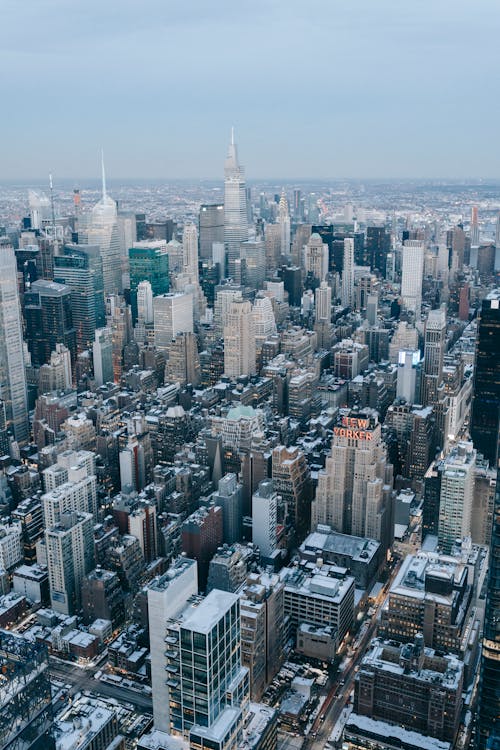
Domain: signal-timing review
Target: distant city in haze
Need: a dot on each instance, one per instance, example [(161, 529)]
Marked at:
[(249, 425)]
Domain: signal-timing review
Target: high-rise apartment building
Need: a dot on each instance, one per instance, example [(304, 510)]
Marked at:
[(354, 489), (190, 251), (456, 495), (235, 209), (348, 273), (168, 595), (412, 276), (70, 556), (208, 686), (13, 391), (485, 417), (434, 349), (284, 223), (323, 303), (239, 340), (148, 261), (210, 228), (173, 313), (265, 518)]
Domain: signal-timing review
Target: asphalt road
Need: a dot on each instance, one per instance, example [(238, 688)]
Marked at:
[(80, 680)]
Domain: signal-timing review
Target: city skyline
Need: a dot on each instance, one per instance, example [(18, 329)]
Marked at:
[(307, 104)]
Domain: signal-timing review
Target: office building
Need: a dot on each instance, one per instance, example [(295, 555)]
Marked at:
[(173, 313), (323, 303), (29, 515), (432, 594), (292, 481), (253, 263), (239, 340), (229, 496), (80, 268), (348, 273), (362, 557), (13, 391), (11, 546), (378, 246), (49, 320), (320, 596), (102, 351), (70, 556), (315, 258), (411, 686), (210, 228), (487, 725), (183, 364), (56, 375), (354, 493), (265, 519), (456, 495), (235, 209), (25, 694), (434, 349), (102, 230), (408, 383), (202, 534), (229, 567), (167, 595), (412, 276), (148, 261), (485, 418), (208, 687), (264, 321)]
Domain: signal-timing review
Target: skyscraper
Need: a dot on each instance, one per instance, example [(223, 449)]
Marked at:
[(265, 518), (354, 488), (235, 208), (173, 313), (456, 495), (411, 281), (148, 261), (49, 320), (323, 303), (103, 231), (102, 350), (190, 250), (486, 399), (284, 222), (434, 348), (348, 273), (239, 340), (316, 257), (12, 375), (488, 722), (80, 268), (210, 228)]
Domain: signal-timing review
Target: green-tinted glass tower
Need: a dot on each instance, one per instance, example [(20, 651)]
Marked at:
[(148, 261)]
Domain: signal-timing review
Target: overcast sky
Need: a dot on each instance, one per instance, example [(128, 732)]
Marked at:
[(319, 88)]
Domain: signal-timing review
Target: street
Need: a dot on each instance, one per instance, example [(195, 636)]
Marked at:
[(81, 680)]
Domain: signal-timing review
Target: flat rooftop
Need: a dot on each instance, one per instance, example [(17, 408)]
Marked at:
[(203, 617)]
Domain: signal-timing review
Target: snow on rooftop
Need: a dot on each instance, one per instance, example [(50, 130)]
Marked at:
[(204, 616)]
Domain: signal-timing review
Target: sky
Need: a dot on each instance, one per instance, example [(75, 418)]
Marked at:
[(314, 89)]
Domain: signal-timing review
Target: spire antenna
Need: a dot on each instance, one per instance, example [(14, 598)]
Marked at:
[(232, 135), (103, 175)]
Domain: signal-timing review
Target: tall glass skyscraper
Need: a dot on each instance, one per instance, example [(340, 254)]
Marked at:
[(12, 374), (235, 208), (488, 721), (486, 400), (80, 268), (148, 261)]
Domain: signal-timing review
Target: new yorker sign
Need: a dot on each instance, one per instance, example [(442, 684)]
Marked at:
[(355, 428)]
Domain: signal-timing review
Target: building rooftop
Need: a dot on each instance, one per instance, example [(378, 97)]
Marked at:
[(393, 734), (161, 583), (326, 540), (202, 617)]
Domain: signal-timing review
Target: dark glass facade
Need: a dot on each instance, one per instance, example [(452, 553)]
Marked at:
[(486, 401), (147, 263)]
